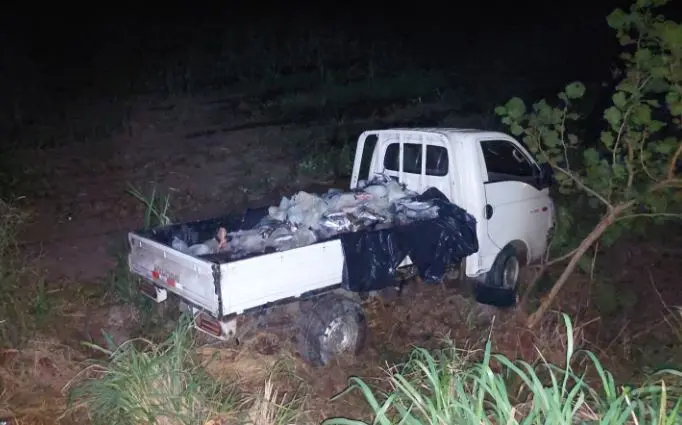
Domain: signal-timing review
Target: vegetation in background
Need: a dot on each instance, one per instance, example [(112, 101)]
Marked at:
[(326, 160), (156, 207), (12, 320), (319, 75), (25, 302), (120, 282), (447, 387), (631, 174)]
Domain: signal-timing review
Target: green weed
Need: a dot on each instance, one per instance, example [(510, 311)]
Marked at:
[(120, 283), (156, 207), (15, 298), (168, 383), (143, 382), (446, 388)]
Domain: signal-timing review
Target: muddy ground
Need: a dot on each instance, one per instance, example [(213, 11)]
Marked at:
[(80, 211)]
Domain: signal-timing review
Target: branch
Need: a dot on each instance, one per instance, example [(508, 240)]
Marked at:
[(641, 159), (619, 135), (664, 184), (561, 137), (583, 186), (631, 169), (649, 215), (560, 259), (591, 238), (673, 162)]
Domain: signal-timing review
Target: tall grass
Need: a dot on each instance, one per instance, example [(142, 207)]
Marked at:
[(169, 383), (156, 207), (143, 382), (16, 299), (11, 218), (120, 283), (442, 388)]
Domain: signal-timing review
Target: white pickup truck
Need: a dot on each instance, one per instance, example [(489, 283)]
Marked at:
[(490, 175)]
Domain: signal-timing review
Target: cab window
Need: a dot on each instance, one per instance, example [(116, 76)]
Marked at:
[(436, 159)]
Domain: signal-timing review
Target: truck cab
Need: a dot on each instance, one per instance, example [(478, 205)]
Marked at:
[(489, 174)]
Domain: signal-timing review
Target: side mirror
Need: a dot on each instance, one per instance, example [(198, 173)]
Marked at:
[(546, 174)]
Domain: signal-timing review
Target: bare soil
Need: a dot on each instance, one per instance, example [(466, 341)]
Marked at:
[(78, 196)]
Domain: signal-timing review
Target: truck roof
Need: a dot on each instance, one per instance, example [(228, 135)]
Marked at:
[(449, 132)]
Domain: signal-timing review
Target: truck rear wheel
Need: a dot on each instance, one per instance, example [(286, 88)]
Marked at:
[(332, 326), (501, 283)]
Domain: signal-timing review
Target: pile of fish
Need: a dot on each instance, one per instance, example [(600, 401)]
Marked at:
[(307, 218)]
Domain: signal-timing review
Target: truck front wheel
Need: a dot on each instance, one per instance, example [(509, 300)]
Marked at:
[(331, 326), (500, 285)]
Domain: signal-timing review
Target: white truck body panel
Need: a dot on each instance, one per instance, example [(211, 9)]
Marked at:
[(264, 279), (244, 284), (192, 278)]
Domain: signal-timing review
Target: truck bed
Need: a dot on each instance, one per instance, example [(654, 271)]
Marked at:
[(363, 261), (222, 286)]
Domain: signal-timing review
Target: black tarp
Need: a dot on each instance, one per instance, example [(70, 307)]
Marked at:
[(372, 257)]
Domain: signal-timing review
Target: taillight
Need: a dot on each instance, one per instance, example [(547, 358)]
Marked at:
[(209, 325)]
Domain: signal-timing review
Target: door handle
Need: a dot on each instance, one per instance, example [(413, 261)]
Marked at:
[(488, 211)]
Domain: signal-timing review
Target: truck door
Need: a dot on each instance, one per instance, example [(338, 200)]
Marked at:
[(518, 205)]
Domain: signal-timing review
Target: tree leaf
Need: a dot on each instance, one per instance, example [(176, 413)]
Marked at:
[(613, 116), (619, 100), (642, 114), (591, 157), (619, 171), (671, 34), (575, 90), (643, 55), (666, 146), (515, 107), (607, 139), (617, 19), (551, 139)]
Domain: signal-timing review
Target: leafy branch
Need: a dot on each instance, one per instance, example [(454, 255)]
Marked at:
[(631, 170)]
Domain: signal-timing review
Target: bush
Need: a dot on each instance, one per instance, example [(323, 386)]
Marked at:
[(630, 172)]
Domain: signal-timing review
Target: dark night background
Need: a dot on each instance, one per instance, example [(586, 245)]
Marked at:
[(64, 53), (202, 98), (237, 103)]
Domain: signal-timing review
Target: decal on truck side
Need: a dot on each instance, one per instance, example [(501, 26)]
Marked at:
[(538, 210), (164, 276)]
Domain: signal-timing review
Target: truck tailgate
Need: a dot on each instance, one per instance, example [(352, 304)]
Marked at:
[(193, 279)]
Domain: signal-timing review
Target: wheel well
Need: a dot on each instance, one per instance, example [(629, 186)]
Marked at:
[(521, 250)]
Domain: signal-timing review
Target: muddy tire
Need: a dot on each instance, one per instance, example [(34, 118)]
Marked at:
[(501, 284), (330, 326)]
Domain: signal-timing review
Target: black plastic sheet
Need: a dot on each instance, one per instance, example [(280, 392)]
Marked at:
[(372, 257), (198, 231)]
